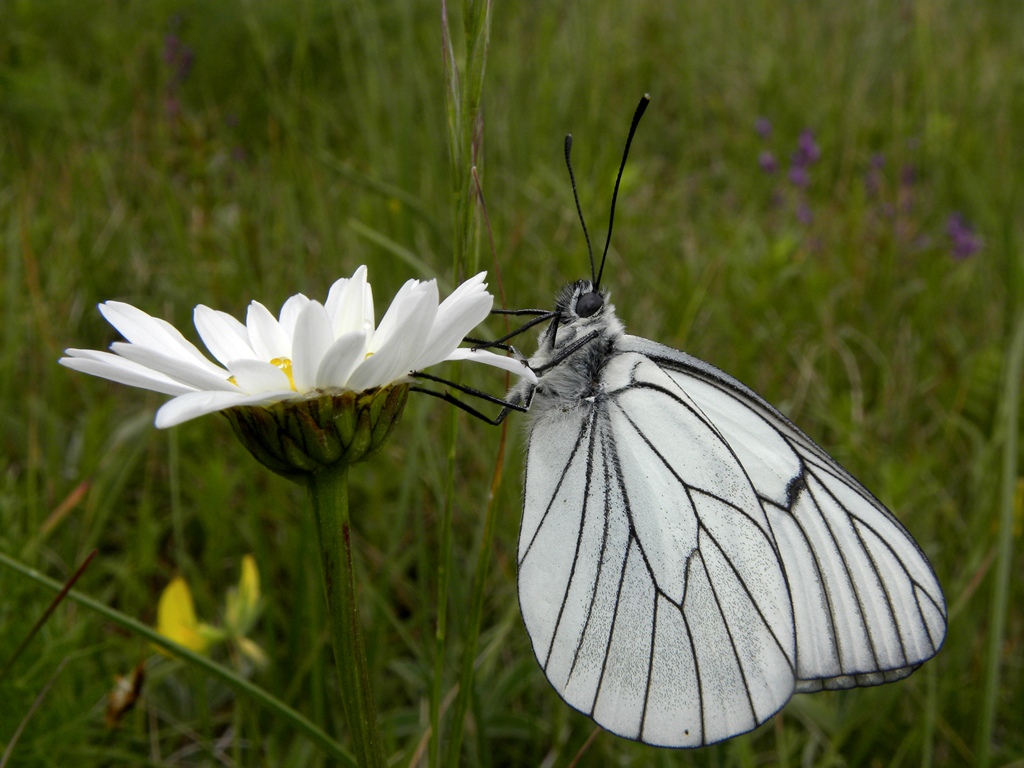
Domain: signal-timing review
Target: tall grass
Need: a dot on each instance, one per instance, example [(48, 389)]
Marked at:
[(174, 153)]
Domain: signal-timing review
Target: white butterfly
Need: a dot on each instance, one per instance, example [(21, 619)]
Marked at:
[(688, 558)]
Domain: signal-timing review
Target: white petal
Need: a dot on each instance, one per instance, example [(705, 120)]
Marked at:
[(350, 304), (369, 322), (336, 300), (225, 337), (116, 368), (340, 360), (185, 371), (511, 364), (268, 339), (290, 312), (404, 330), (187, 407), (255, 376), (395, 316), (473, 285), (313, 337), (466, 308), (147, 331)]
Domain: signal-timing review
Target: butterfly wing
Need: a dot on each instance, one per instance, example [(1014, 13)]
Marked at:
[(867, 604), (649, 580), (688, 558)]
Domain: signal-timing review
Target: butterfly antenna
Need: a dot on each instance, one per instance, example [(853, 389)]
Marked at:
[(576, 197), (640, 109)]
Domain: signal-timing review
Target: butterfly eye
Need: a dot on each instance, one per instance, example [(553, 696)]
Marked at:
[(588, 304)]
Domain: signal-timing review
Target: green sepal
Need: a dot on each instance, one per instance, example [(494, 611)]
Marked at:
[(297, 438)]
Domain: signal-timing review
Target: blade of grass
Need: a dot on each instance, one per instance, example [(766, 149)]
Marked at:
[(405, 255), (466, 686), (36, 703), (476, 611), (1004, 543), (382, 188), (240, 685), (464, 135), (47, 613), (443, 578)]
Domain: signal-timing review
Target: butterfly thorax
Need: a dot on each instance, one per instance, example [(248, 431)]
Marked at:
[(581, 313)]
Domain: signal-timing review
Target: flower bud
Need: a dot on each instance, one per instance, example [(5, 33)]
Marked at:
[(297, 438)]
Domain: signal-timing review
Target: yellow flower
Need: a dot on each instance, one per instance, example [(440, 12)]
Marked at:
[(176, 618), (243, 600), (242, 610)]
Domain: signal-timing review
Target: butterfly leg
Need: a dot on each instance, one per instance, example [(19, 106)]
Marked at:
[(499, 342), (507, 405), (571, 349)]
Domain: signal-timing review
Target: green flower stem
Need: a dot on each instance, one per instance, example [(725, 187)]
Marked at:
[(240, 685), (328, 492), (443, 581)]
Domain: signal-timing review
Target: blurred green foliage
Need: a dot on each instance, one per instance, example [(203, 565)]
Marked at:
[(171, 153)]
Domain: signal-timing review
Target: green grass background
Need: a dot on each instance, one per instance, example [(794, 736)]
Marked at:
[(307, 138)]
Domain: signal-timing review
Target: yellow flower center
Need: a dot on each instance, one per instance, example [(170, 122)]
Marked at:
[(285, 364)]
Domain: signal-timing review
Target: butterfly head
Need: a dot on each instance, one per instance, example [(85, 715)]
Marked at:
[(581, 309), (579, 301)]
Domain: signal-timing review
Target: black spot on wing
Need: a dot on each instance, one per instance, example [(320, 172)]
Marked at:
[(796, 485)]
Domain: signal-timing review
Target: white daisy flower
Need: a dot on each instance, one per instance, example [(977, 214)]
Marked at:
[(308, 350)]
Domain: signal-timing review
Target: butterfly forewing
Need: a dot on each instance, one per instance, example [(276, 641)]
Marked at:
[(867, 605)]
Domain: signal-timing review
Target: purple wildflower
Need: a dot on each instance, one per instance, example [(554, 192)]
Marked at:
[(807, 150), (763, 126), (807, 154), (798, 176), (179, 57), (963, 240), (767, 162), (804, 214)]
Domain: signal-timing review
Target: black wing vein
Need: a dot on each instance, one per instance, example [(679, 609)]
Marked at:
[(579, 542)]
